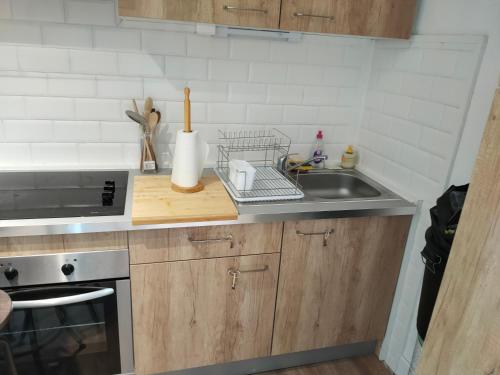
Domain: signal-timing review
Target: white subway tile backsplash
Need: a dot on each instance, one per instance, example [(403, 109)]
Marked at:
[(15, 155), (250, 49), (206, 46), (226, 113), (162, 43), (76, 131), (437, 142), (100, 154), (119, 39), (335, 115), (98, 109), (94, 62), (316, 95), (164, 89), (416, 85), (120, 132), (306, 115), (449, 91), (49, 108), (285, 94), (186, 68), (85, 12), (119, 88), (397, 105), (28, 131), (23, 86), (41, 10), (438, 62), (426, 112), (54, 154), (67, 35), (341, 76), (305, 74), (82, 88), (291, 53), (264, 114), (407, 59), (12, 107), (247, 92), (141, 65), (9, 58), (207, 91), (325, 54), (266, 72), (19, 32), (225, 70), (415, 160), (43, 59), (405, 131)]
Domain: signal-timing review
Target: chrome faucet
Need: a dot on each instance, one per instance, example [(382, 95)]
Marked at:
[(282, 164)]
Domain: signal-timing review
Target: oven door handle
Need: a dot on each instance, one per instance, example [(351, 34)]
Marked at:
[(60, 301)]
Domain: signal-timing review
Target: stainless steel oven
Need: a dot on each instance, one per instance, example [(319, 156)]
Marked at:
[(71, 314)]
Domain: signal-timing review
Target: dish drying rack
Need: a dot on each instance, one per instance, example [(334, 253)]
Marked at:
[(262, 149)]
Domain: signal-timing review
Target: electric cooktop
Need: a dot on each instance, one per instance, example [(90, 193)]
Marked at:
[(37, 195)]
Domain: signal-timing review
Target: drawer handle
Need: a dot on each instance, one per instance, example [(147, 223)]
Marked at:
[(228, 238), (229, 8), (325, 235), (235, 273), (329, 18)]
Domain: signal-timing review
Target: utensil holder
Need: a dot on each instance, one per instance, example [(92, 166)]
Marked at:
[(149, 163)]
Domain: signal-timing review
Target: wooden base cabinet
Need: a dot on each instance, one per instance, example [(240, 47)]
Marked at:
[(189, 313), (337, 280)]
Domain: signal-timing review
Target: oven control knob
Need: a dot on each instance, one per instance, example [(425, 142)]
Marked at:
[(10, 273), (67, 269)]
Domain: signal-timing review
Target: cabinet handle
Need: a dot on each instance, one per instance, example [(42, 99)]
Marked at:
[(329, 18), (228, 238), (325, 235), (235, 273), (229, 8)]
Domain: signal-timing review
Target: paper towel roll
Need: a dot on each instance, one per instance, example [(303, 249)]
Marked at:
[(189, 157)]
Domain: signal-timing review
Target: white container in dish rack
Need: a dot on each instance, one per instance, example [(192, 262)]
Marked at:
[(241, 174)]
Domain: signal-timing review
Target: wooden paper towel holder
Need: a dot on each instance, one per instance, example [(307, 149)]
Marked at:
[(187, 129)]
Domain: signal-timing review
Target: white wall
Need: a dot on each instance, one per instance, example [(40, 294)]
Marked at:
[(68, 73)]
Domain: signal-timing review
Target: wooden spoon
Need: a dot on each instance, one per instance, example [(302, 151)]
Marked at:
[(153, 121), (148, 107)]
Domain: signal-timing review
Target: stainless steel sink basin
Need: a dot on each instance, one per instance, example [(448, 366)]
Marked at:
[(336, 186)]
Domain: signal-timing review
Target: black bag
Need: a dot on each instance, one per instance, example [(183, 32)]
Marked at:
[(445, 216)]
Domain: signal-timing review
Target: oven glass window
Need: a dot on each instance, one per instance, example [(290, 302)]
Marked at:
[(78, 339)]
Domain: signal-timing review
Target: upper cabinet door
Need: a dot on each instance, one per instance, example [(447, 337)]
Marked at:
[(378, 18), (309, 15), (179, 10), (253, 13)]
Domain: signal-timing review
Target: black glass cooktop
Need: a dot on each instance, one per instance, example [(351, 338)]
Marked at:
[(36, 195)]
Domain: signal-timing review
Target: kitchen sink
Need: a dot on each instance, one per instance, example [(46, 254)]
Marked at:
[(336, 185)]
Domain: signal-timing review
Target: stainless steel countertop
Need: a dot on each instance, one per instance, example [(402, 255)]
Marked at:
[(387, 204)]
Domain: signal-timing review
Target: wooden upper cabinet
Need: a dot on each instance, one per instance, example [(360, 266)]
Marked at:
[(378, 18), (187, 314), (337, 279), (253, 13), (177, 10)]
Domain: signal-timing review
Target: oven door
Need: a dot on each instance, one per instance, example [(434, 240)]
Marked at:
[(80, 329)]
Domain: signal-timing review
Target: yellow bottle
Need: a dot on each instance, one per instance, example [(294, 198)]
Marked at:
[(349, 158)]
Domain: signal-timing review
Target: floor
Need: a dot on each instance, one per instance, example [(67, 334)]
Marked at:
[(355, 366)]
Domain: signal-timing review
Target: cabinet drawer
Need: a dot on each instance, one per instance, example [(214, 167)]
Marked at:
[(204, 242), (186, 314), (52, 244), (255, 13)]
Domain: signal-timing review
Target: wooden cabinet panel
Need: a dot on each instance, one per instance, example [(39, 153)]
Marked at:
[(378, 18), (309, 15), (342, 292), (179, 10), (204, 242), (186, 314), (39, 245), (254, 13)]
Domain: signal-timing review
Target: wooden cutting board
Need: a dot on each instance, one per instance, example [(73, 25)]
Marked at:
[(154, 202)]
